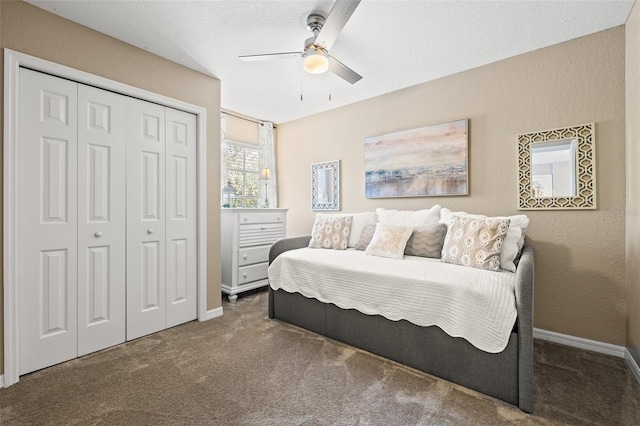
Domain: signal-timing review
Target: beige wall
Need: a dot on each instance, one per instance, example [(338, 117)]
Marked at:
[(632, 87), (580, 288), (30, 30)]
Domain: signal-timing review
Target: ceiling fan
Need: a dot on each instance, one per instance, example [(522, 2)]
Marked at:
[(316, 58)]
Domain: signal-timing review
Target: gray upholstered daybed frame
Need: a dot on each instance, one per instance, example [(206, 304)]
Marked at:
[(507, 375)]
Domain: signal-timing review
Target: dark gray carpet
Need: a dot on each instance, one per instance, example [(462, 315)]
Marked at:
[(245, 369)]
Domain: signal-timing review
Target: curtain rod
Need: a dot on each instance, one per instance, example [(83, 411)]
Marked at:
[(244, 118)]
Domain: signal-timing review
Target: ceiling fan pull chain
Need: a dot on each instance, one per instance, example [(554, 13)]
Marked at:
[(301, 91)]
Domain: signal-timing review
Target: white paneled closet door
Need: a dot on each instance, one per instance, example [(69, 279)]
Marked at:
[(101, 219), (181, 245), (146, 289), (107, 229), (48, 227)]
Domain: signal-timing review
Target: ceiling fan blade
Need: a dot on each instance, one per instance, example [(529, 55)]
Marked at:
[(343, 71), (267, 56), (335, 22)]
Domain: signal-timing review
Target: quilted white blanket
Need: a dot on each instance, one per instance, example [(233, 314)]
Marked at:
[(474, 304)]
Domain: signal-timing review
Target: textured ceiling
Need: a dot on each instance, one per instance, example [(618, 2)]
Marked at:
[(392, 44)]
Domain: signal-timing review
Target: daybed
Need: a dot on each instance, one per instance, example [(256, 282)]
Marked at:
[(507, 375)]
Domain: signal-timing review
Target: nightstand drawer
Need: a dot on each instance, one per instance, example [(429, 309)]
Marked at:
[(246, 274), (261, 218), (249, 256), (260, 234)]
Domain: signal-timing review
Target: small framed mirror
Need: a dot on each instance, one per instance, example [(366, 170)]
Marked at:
[(557, 169), (325, 186)]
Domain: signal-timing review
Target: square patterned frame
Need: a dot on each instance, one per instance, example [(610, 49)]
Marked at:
[(585, 164), (333, 200)]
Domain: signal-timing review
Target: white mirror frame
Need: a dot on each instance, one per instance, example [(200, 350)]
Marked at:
[(585, 177), (333, 202)]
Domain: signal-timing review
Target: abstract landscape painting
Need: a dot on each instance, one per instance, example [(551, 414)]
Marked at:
[(430, 161)]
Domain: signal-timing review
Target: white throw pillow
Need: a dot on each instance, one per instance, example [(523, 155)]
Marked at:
[(513, 241), (409, 218), (389, 241), (360, 220)]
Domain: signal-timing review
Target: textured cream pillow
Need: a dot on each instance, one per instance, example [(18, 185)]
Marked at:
[(475, 242), (331, 231), (360, 220), (409, 218), (513, 242), (389, 241)]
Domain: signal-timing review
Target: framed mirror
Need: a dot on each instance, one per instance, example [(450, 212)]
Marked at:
[(557, 169), (325, 186)]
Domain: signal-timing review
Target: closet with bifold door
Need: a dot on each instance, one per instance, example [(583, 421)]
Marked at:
[(107, 219)]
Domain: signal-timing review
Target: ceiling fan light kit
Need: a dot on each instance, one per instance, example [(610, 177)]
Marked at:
[(316, 60)]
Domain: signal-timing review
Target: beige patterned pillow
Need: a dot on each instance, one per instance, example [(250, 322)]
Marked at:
[(513, 241), (427, 241), (389, 241), (366, 236), (475, 242), (331, 231)]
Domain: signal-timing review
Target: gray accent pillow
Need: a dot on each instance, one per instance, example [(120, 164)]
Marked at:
[(475, 242), (331, 232), (426, 241), (366, 236)]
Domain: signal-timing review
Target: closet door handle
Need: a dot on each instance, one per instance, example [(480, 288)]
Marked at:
[(98, 234), (150, 231)]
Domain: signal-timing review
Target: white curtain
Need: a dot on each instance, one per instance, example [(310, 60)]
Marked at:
[(266, 143), (223, 153)]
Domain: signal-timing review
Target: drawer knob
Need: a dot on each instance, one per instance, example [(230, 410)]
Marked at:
[(244, 257), (262, 228), (98, 234), (246, 219), (150, 231), (244, 275), (278, 218)]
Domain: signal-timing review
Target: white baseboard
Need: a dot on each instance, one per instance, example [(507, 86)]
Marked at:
[(633, 365), (214, 313), (590, 345), (1, 380), (580, 342)]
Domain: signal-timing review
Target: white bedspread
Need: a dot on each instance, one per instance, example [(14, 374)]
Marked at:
[(465, 302)]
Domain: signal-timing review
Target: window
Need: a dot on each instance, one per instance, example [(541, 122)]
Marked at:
[(242, 163)]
